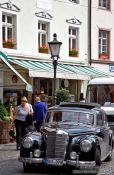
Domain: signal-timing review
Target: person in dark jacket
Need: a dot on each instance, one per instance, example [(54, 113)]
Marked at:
[(39, 112)]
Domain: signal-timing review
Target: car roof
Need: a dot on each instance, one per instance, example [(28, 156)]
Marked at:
[(102, 81), (76, 106)]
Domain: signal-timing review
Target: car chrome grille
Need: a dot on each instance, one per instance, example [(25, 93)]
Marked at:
[(56, 145)]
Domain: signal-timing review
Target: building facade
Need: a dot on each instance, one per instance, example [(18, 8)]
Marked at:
[(102, 29), (26, 27)]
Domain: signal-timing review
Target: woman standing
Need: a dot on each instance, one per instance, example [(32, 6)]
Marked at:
[(20, 122)]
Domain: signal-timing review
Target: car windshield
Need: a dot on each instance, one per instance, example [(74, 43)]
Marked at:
[(70, 116)]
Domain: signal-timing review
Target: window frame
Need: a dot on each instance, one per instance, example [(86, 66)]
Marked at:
[(108, 5), (73, 1), (99, 119), (50, 115), (13, 26), (105, 54), (72, 37), (42, 32)]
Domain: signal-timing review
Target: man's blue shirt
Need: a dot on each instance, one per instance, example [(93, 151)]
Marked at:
[(39, 112)]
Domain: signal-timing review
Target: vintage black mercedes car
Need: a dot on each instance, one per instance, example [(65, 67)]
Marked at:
[(74, 135)]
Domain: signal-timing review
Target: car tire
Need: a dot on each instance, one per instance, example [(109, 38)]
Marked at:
[(27, 167), (69, 171), (98, 157)]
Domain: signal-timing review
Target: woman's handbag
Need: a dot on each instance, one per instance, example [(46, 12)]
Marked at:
[(29, 119)]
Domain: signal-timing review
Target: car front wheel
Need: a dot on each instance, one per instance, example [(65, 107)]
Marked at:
[(98, 157), (27, 167)]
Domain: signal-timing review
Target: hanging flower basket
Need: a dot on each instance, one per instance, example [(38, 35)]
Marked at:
[(103, 56), (73, 53), (8, 44), (43, 49)]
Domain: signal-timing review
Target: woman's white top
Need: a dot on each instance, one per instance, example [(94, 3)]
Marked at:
[(21, 113)]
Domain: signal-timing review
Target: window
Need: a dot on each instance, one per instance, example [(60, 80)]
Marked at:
[(73, 42), (104, 40), (105, 4), (99, 118), (75, 1), (9, 30), (70, 116), (43, 30)]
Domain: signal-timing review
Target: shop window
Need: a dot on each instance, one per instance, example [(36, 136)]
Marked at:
[(43, 30), (9, 30), (104, 46), (73, 41), (104, 4), (75, 1)]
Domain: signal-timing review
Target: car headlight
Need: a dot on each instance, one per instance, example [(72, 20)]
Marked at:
[(85, 145), (27, 142), (73, 155), (37, 153)]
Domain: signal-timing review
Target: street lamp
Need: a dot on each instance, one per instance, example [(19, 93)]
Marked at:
[(54, 47)]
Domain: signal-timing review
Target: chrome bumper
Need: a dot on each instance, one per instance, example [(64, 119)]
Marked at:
[(76, 163)]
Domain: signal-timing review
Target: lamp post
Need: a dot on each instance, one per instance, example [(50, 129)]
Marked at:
[(54, 47)]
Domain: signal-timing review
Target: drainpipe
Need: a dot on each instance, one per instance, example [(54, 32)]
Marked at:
[(89, 31)]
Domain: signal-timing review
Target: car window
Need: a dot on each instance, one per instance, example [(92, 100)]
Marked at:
[(48, 116), (105, 122), (86, 118), (99, 119), (110, 118), (57, 116), (66, 116)]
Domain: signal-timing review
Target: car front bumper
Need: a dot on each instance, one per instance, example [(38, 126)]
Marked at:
[(76, 163)]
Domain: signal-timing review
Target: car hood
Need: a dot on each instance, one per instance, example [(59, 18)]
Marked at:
[(70, 127)]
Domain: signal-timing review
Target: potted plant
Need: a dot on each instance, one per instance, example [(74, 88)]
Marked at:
[(43, 49), (5, 124), (103, 55), (8, 44), (73, 53), (62, 95)]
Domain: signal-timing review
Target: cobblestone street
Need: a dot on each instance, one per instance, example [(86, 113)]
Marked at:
[(9, 164)]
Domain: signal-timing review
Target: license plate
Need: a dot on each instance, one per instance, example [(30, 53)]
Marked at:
[(55, 162)]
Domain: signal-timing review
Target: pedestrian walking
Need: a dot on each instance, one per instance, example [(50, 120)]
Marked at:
[(22, 111), (39, 112)]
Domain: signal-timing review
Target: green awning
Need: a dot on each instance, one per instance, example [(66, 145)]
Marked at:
[(66, 71), (4, 58)]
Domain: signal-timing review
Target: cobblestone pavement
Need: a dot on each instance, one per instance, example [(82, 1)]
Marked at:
[(9, 164)]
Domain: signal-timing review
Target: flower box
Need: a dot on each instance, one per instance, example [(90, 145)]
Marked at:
[(103, 56), (73, 53), (8, 44), (43, 49)]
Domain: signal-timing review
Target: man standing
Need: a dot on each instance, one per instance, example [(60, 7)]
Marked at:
[(39, 112)]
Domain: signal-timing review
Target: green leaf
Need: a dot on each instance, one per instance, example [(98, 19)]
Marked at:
[(62, 95)]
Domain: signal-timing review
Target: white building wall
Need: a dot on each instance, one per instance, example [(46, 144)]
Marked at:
[(27, 26), (63, 11), (102, 19)]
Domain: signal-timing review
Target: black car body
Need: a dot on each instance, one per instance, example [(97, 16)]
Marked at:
[(75, 135)]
